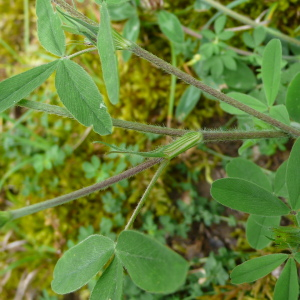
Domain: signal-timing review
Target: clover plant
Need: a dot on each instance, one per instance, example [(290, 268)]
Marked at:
[(152, 266)]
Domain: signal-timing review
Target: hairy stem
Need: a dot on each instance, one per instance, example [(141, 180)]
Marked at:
[(61, 111), (212, 136), (145, 195), (216, 135), (31, 209), (200, 85), (189, 79), (172, 88), (75, 13), (81, 52)]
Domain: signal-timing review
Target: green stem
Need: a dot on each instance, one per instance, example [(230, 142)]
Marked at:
[(75, 13), (213, 136), (145, 195), (232, 4), (26, 25), (81, 52), (189, 79), (208, 136), (60, 111), (219, 95), (248, 21), (172, 87), (28, 210)]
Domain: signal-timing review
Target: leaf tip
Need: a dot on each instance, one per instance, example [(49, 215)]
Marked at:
[(5, 217)]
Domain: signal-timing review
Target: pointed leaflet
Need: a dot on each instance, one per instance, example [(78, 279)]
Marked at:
[(170, 26), (256, 268), (241, 79), (293, 176), (248, 197), (280, 113), (80, 263), (245, 99), (245, 169), (297, 257), (271, 69), (108, 57), (220, 24), (81, 97), (131, 32), (293, 98), (258, 230), (187, 102), (19, 86), (50, 32), (280, 188), (287, 286), (110, 284), (152, 266)]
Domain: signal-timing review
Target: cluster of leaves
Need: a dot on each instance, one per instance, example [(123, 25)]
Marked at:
[(149, 264), (253, 192)]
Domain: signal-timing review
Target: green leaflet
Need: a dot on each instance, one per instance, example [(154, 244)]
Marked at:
[(258, 230), (287, 286), (256, 268), (280, 113), (297, 257), (121, 12), (50, 32), (151, 265), (170, 26), (131, 32), (79, 26), (248, 197), (293, 176), (271, 69), (107, 55), (19, 86), (293, 98), (245, 169), (220, 24), (110, 284), (81, 97), (187, 102), (280, 188), (241, 79), (259, 35), (80, 263), (245, 99)]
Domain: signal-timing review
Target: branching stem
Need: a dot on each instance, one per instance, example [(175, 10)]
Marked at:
[(145, 195), (208, 135), (202, 86), (191, 80), (81, 52), (28, 210)]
